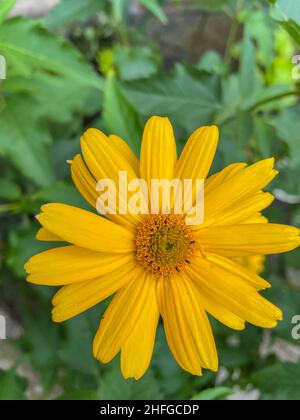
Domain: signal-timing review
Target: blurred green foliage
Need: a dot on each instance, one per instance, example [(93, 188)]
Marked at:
[(87, 63)]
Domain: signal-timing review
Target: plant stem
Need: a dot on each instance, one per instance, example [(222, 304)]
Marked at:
[(8, 207), (273, 98), (233, 31), (258, 105)]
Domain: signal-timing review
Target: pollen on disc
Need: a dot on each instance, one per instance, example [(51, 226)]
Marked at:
[(164, 244)]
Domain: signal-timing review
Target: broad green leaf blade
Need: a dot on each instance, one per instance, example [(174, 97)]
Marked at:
[(264, 136), (119, 116), (218, 393), (21, 245), (62, 192), (61, 93), (287, 126), (154, 7), (248, 76), (280, 381), (67, 12), (261, 27), (76, 354), (27, 47), (213, 63), (114, 387), (24, 140), (135, 62), (189, 97)]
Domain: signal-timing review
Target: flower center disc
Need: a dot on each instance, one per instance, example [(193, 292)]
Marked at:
[(164, 244)]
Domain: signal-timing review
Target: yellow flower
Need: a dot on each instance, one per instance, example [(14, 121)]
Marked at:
[(157, 264), (255, 263)]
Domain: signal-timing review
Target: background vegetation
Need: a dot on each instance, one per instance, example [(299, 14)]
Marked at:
[(110, 64)]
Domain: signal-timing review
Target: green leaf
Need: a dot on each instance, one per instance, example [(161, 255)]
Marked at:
[(76, 351), (191, 98), (55, 92), (24, 140), (9, 190), (61, 192), (218, 393), (288, 299), (5, 7), (22, 244), (274, 97), (114, 387), (287, 126), (11, 386), (213, 63), (290, 8), (27, 46), (279, 381), (50, 79), (236, 135), (293, 29), (154, 7), (43, 352), (135, 62), (264, 136), (67, 12), (230, 98), (174, 381), (287, 13), (119, 116), (248, 77), (261, 28)]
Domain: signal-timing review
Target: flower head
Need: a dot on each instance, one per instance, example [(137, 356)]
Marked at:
[(157, 264)]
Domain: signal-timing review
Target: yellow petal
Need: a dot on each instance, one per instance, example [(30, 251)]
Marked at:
[(187, 328), (44, 235), (232, 267), (233, 191), (125, 151), (158, 150), (228, 172), (198, 154), (230, 290), (76, 298), (239, 212), (256, 218), (255, 263), (84, 181), (219, 311), (137, 352), (85, 229), (121, 316), (70, 264), (195, 162), (105, 161), (249, 239)]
